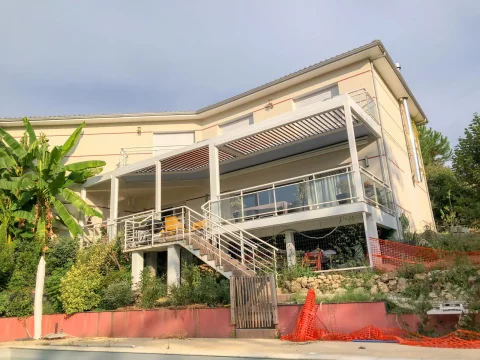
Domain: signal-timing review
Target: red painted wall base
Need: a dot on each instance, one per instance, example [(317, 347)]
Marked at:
[(211, 322)]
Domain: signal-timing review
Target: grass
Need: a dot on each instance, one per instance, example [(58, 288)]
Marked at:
[(349, 297)]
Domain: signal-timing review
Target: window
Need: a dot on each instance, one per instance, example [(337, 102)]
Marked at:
[(168, 141), (236, 124), (317, 96)]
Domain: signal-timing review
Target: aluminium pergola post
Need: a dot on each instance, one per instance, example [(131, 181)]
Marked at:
[(114, 188), (352, 145)]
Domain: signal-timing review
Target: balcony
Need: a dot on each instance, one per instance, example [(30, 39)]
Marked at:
[(327, 189)]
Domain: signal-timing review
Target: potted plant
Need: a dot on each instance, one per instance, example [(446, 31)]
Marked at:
[(300, 197), (236, 206), (343, 191)]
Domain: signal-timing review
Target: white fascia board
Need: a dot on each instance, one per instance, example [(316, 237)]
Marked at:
[(152, 161), (369, 122), (307, 215)]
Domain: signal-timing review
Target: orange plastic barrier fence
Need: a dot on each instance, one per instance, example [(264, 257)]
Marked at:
[(388, 255), (305, 331)]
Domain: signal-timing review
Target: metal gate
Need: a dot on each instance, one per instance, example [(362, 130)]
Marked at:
[(253, 301)]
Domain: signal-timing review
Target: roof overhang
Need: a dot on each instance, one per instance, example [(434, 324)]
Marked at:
[(300, 131), (374, 51)]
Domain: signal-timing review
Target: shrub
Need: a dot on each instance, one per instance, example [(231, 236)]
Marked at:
[(27, 254), (52, 289), (61, 253), (19, 303), (200, 287), (3, 302), (80, 288), (117, 295), (151, 289)]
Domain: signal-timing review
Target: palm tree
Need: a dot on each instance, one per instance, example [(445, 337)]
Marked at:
[(39, 184)]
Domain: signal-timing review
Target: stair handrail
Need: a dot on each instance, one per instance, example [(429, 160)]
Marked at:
[(204, 208), (247, 241)]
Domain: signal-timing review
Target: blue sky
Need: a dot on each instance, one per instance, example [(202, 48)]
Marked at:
[(113, 56)]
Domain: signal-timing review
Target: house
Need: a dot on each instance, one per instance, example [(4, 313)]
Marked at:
[(316, 163)]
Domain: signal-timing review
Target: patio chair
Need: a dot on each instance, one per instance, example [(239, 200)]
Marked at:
[(199, 225), (172, 225)]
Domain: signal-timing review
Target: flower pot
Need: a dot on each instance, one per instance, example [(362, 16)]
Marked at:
[(341, 198)]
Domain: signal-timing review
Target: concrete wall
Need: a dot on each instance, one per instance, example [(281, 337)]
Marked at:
[(213, 322)]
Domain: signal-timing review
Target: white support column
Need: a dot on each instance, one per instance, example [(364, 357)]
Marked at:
[(371, 231), (151, 262), (173, 265), (114, 186), (137, 268), (214, 173), (290, 246), (158, 186), (352, 145)]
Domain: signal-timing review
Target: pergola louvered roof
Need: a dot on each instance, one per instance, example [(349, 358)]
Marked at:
[(299, 130), (296, 131)]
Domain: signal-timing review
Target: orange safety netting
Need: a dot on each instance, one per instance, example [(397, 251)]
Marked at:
[(305, 331), (388, 255)]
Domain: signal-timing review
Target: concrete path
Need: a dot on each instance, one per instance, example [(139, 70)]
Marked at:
[(252, 348)]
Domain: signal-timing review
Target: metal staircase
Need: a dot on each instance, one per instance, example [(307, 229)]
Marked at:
[(219, 243)]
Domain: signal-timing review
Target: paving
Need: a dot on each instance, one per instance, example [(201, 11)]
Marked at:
[(252, 348)]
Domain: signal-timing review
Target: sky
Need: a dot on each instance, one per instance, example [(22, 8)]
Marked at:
[(62, 57)]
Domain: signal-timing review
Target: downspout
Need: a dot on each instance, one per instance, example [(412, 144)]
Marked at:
[(412, 140), (389, 171)]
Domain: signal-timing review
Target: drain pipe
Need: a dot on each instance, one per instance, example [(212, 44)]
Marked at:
[(412, 140)]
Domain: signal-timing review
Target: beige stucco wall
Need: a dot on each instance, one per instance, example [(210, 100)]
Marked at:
[(412, 198)]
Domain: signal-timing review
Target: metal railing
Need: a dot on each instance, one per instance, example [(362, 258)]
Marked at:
[(365, 101), (126, 152), (223, 241), (377, 192), (308, 192), (108, 228)]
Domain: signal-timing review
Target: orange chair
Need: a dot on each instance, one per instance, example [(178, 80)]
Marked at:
[(313, 259), (172, 224), (199, 225)]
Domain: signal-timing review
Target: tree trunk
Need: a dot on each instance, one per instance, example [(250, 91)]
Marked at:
[(38, 305)]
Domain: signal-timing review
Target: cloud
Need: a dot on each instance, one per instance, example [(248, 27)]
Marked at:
[(118, 56)]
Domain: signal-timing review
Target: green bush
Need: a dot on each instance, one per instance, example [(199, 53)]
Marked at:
[(117, 295), (52, 289), (80, 288), (3, 303), (27, 255), (200, 287), (151, 289), (61, 253), (19, 303)]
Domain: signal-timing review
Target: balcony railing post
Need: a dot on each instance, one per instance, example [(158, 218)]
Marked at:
[(153, 224), (242, 214), (274, 200), (242, 248), (375, 193)]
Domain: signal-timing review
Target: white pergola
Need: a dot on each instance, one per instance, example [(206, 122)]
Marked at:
[(296, 131)]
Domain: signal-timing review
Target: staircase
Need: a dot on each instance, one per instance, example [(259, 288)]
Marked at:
[(219, 243)]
